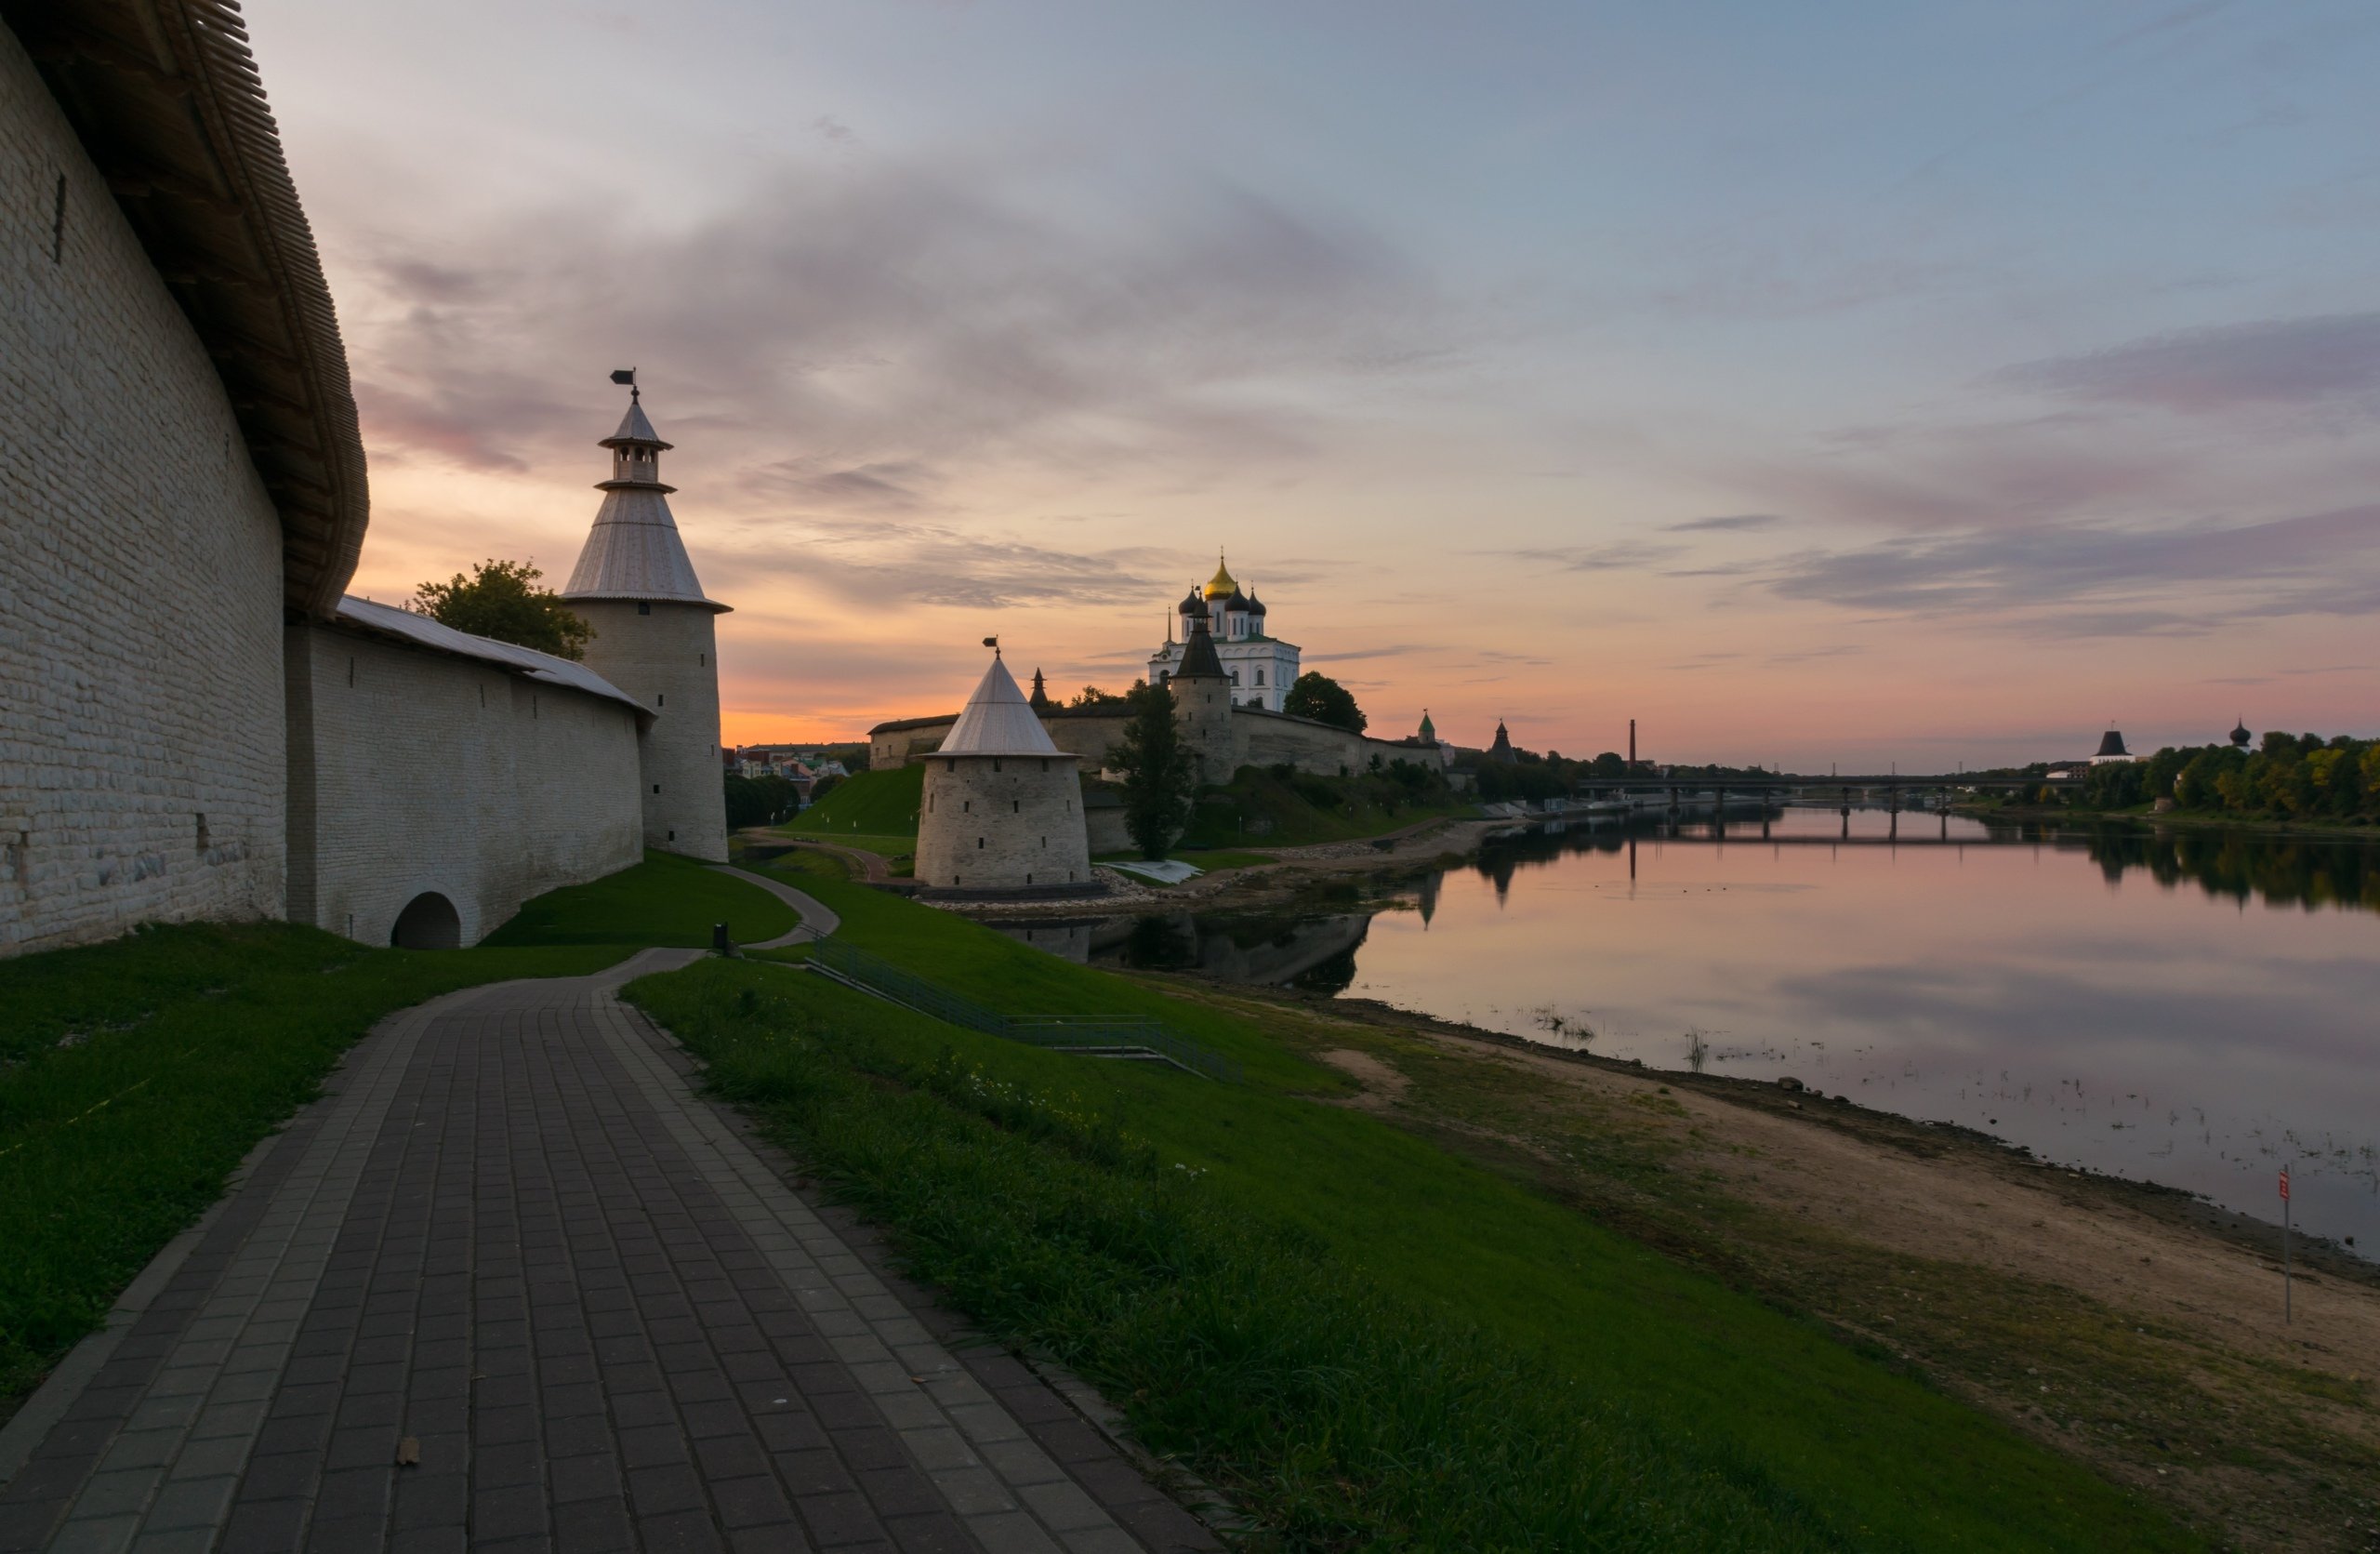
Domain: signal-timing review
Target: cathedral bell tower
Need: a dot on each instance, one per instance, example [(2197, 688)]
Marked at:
[(655, 638)]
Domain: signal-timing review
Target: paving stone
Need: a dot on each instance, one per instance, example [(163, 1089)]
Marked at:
[(513, 1234)]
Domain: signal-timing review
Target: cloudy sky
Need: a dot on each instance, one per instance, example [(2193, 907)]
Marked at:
[(1839, 382)]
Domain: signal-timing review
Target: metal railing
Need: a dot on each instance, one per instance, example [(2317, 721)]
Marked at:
[(1113, 1038)]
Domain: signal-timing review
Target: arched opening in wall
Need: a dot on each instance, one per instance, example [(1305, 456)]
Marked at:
[(429, 922)]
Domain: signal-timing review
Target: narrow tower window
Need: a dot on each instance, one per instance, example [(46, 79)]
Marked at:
[(644, 607), (58, 225), (202, 835)]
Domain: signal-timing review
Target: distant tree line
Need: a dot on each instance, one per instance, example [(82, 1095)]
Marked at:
[(761, 801), (2298, 776)]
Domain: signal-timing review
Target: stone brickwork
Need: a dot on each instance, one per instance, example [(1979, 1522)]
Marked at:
[(142, 758), (416, 771), (667, 660), (1002, 823)]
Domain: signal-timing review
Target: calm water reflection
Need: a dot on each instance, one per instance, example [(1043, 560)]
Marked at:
[(2194, 1008)]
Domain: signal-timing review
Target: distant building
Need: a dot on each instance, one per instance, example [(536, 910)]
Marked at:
[(1501, 750), (1259, 668), (2239, 734), (2111, 750)]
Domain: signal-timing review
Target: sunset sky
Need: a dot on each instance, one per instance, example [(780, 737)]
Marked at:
[(1814, 383)]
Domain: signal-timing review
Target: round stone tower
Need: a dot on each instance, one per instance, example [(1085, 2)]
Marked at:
[(1003, 808), (1202, 699), (653, 639)]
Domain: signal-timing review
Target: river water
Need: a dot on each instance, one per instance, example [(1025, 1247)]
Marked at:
[(2194, 1008)]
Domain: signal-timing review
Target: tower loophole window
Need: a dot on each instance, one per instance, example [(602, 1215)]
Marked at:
[(644, 607)]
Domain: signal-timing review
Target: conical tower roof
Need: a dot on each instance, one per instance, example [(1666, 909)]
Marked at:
[(1198, 658), (997, 720), (634, 550), (635, 428)]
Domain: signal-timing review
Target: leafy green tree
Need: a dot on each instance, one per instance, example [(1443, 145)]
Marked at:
[(1610, 764), (1157, 775), (1318, 696), (501, 600), (759, 801)]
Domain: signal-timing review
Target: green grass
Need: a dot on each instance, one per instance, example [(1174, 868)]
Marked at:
[(665, 900), (1256, 806), (874, 804), (1375, 1343), (134, 1075)]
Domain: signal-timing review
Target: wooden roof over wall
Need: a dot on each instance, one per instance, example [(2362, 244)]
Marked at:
[(167, 99)]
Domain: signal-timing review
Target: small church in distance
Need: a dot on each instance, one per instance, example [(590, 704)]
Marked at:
[(1261, 667), (1229, 680)]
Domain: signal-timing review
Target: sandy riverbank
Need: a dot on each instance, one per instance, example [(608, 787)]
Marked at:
[(2136, 1327)]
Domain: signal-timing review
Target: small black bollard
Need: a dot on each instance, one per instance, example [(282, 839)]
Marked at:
[(719, 940)]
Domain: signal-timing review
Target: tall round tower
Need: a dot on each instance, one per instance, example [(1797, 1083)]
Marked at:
[(653, 639), (1003, 808), (1202, 701)]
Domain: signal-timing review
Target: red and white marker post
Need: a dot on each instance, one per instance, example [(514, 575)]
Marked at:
[(2284, 1244)]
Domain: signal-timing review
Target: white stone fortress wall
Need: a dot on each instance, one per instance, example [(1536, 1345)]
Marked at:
[(142, 755), (416, 772), (1012, 822), (666, 657)]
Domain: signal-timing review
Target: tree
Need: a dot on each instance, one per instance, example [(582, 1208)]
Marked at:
[(1325, 700), (501, 600), (1157, 779)]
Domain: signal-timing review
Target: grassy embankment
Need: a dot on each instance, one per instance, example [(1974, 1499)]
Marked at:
[(1370, 1342), (134, 1075), (876, 811), (1265, 809), (665, 900)]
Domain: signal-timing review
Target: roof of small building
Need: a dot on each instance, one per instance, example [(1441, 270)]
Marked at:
[(166, 100), (2111, 743), (422, 631), (997, 720)]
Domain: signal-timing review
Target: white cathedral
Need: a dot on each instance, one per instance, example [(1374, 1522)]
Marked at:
[(1261, 667)]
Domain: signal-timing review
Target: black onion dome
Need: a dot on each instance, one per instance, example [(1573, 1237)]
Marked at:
[(1255, 605), (1237, 600), (2240, 735), (1193, 603)]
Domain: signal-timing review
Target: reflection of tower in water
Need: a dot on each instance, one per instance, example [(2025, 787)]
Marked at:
[(1430, 884)]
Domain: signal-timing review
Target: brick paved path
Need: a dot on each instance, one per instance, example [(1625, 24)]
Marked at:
[(514, 1238)]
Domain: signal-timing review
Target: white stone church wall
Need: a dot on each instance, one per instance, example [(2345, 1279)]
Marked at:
[(418, 771), (141, 772)]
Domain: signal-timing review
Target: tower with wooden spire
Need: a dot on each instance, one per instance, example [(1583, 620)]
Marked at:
[(656, 638)]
